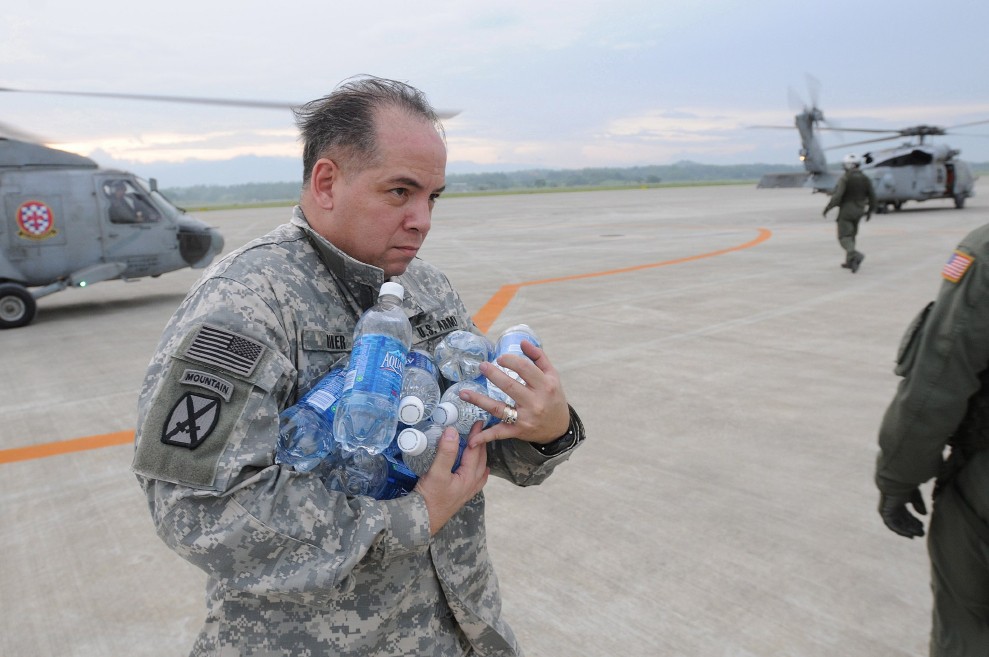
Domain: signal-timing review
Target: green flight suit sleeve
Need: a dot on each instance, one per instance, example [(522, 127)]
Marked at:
[(837, 195), (940, 359)]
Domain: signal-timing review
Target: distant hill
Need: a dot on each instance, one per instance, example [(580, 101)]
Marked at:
[(525, 180)]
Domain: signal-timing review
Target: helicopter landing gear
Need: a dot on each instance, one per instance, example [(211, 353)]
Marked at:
[(897, 205), (959, 201), (17, 306)]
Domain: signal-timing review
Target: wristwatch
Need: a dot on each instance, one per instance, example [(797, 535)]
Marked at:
[(569, 440)]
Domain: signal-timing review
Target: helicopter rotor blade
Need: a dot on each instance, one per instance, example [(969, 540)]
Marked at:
[(965, 125), (10, 132), (195, 100), (794, 100), (814, 89), (837, 129), (859, 143)]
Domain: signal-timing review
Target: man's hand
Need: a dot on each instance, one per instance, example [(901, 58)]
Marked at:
[(896, 516), (825, 213), (446, 492), (868, 215), (542, 414)]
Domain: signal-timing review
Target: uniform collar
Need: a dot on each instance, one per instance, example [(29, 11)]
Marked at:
[(362, 280)]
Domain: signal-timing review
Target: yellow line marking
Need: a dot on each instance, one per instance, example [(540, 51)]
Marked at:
[(484, 318)]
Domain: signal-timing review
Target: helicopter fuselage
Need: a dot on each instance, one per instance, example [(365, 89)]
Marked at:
[(64, 222), (918, 172), (54, 223)]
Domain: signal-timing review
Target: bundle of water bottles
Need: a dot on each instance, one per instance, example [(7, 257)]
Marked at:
[(372, 427)]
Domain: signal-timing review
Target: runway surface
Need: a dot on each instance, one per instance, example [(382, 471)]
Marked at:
[(730, 374)]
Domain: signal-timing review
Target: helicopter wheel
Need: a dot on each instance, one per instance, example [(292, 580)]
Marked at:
[(898, 205), (17, 306), (959, 201)]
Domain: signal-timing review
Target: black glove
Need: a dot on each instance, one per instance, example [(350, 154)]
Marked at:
[(868, 215), (896, 516), (825, 213)]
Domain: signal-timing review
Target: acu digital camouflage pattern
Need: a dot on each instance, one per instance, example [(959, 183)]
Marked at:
[(942, 400), (295, 569)]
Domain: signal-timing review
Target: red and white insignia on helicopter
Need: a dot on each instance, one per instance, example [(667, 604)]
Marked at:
[(36, 221)]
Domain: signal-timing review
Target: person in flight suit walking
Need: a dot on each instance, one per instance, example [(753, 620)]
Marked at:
[(853, 191)]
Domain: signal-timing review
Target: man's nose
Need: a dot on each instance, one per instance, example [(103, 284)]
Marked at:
[(420, 217)]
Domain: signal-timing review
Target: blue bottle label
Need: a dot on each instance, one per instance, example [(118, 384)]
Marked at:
[(377, 365), (422, 361), (326, 393)]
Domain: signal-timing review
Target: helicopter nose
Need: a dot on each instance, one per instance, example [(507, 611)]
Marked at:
[(199, 244)]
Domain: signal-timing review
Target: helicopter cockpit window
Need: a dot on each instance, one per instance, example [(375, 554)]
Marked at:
[(128, 204), (913, 158)]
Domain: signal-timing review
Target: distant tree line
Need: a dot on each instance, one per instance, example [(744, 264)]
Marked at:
[(527, 180)]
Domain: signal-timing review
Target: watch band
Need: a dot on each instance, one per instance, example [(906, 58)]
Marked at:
[(569, 440)]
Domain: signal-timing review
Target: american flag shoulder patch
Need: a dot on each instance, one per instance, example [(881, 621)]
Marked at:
[(956, 266), (225, 349)]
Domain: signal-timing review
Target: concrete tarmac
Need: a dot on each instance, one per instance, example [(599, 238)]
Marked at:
[(730, 374)]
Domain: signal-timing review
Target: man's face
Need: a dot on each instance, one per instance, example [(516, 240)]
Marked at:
[(381, 215)]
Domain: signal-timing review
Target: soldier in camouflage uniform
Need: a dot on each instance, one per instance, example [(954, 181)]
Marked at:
[(853, 191), (943, 400), (293, 568)]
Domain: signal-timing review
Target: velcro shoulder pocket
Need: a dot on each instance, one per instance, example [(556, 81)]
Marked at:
[(906, 354)]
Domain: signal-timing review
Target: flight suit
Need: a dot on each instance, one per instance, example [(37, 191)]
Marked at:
[(851, 195), (943, 400), (293, 567)]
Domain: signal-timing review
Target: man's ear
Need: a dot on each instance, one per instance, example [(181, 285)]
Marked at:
[(325, 174)]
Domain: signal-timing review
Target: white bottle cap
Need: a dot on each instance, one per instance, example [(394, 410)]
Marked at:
[(411, 410), (391, 287), (445, 414), (412, 441)]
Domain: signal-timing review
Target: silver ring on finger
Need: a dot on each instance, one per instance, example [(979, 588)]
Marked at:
[(509, 415)]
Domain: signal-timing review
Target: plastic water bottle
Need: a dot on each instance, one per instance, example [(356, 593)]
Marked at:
[(420, 388), (419, 445), (510, 342), (459, 354), (367, 413), (305, 430), (374, 475), (454, 411)]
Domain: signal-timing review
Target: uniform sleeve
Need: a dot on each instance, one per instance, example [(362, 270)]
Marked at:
[(941, 359), (207, 432), (837, 194)]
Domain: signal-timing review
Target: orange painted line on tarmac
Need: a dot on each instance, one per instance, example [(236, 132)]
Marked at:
[(488, 313), (484, 318), (65, 446)]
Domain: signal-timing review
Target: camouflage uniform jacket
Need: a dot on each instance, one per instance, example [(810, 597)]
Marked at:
[(853, 191), (944, 395), (294, 568)]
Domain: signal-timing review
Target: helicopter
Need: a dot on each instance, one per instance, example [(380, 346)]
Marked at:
[(66, 222), (912, 171), (61, 225)]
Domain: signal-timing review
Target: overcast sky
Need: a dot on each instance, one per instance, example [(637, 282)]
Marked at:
[(557, 84)]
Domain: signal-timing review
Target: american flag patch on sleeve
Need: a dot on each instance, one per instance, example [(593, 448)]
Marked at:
[(225, 349), (956, 266)]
